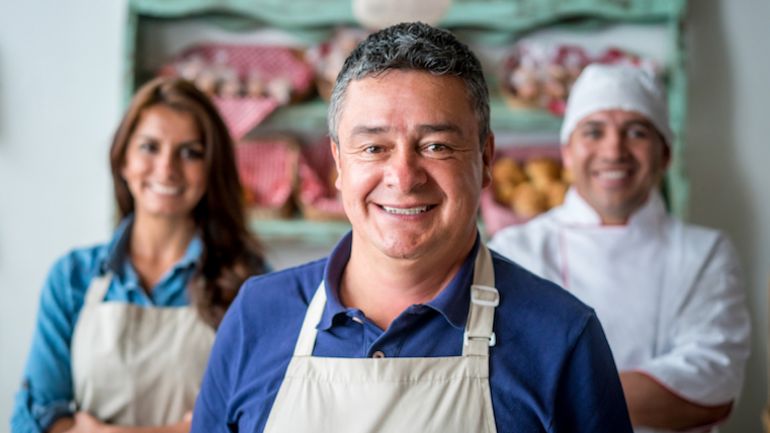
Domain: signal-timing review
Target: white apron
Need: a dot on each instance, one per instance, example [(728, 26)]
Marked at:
[(137, 366), (396, 395)]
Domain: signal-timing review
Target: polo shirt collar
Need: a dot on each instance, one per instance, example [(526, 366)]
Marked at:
[(452, 302)]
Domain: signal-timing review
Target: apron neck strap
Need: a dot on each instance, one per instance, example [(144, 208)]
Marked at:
[(478, 336), (98, 288), (306, 339)]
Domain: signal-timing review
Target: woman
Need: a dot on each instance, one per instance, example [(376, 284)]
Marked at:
[(125, 328)]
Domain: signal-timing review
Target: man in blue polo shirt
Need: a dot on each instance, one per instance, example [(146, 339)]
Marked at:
[(411, 324)]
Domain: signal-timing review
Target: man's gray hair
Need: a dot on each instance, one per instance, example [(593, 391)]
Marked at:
[(413, 46)]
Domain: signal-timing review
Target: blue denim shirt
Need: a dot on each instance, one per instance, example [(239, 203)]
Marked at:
[(47, 391)]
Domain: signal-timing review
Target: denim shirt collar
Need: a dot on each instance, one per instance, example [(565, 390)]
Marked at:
[(116, 260), (452, 302)]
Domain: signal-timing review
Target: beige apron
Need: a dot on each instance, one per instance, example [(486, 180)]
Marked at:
[(137, 366), (441, 394)]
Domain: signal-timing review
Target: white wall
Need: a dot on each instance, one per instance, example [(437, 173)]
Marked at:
[(60, 98), (728, 157), (60, 69)]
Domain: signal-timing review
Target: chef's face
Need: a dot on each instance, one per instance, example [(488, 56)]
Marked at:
[(616, 158), (410, 165)]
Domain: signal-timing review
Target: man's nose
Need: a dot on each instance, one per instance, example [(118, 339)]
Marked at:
[(404, 170), (613, 146)]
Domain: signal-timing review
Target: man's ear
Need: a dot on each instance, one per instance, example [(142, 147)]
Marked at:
[(335, 148), (665, 160), (566, 155), (487, 155)]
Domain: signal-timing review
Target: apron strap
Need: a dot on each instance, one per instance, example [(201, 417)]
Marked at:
[(306, 339), (98, 288), (478, 335)]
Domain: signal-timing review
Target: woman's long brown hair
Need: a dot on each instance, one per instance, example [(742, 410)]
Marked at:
[(230, 252)]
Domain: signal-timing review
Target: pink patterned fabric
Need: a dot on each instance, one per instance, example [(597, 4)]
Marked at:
[(316, 189), (269, 60), (266, 169), (241, 115)]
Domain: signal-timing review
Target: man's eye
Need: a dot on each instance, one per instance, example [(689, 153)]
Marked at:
[(373, 149), (637, 132), (592, 133), (436, 147)]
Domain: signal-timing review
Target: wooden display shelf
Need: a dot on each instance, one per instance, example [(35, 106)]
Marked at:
[(486, 23), (299, 229), (310, 116)]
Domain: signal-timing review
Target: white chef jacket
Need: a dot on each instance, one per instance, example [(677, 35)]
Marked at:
[(669, 295)]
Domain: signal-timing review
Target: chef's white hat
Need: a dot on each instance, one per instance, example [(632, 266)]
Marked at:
[(616, 87)]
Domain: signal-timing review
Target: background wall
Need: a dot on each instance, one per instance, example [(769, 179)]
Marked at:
[(728, 155), (60, 98), (60, 64)]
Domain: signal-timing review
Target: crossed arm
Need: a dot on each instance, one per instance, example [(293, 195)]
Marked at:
[(85, 423), (650, 404)]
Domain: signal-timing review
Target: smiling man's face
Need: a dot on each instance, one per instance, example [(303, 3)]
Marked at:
[(616, 158), (410, 165)]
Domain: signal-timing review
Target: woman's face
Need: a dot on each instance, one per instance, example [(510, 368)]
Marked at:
[(165, 164)]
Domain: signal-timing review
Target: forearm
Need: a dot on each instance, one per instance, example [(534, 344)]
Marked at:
[(61, 425), (182, 427), (85, 423), (650, 404)]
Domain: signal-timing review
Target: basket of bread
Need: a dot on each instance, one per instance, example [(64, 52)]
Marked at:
[(525, 183)]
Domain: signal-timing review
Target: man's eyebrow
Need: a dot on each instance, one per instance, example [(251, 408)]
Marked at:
[(423, 129), (639, 122), (440, 127), (632, 122), (368, 130)]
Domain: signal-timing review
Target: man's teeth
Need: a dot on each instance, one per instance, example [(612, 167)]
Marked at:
[(407, 211), (163, 189), (613, 174)]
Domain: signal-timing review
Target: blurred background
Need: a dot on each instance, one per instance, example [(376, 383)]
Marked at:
[(67, 68)]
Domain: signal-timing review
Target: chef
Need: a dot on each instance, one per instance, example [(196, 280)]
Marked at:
[(669, 294), (411, 324)]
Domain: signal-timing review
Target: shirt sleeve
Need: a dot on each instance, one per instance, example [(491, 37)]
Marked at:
[(708, 332), (211, 413), (590, 396), (46, 393)]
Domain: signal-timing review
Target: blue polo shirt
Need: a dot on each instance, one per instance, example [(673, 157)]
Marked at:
[(550, 371)]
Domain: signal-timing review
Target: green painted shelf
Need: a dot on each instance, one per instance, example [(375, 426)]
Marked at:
[(310, 116), (299, 230), (491, 22)]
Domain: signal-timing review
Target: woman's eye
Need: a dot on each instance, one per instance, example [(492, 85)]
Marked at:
[(148, 147), (191, 153)]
